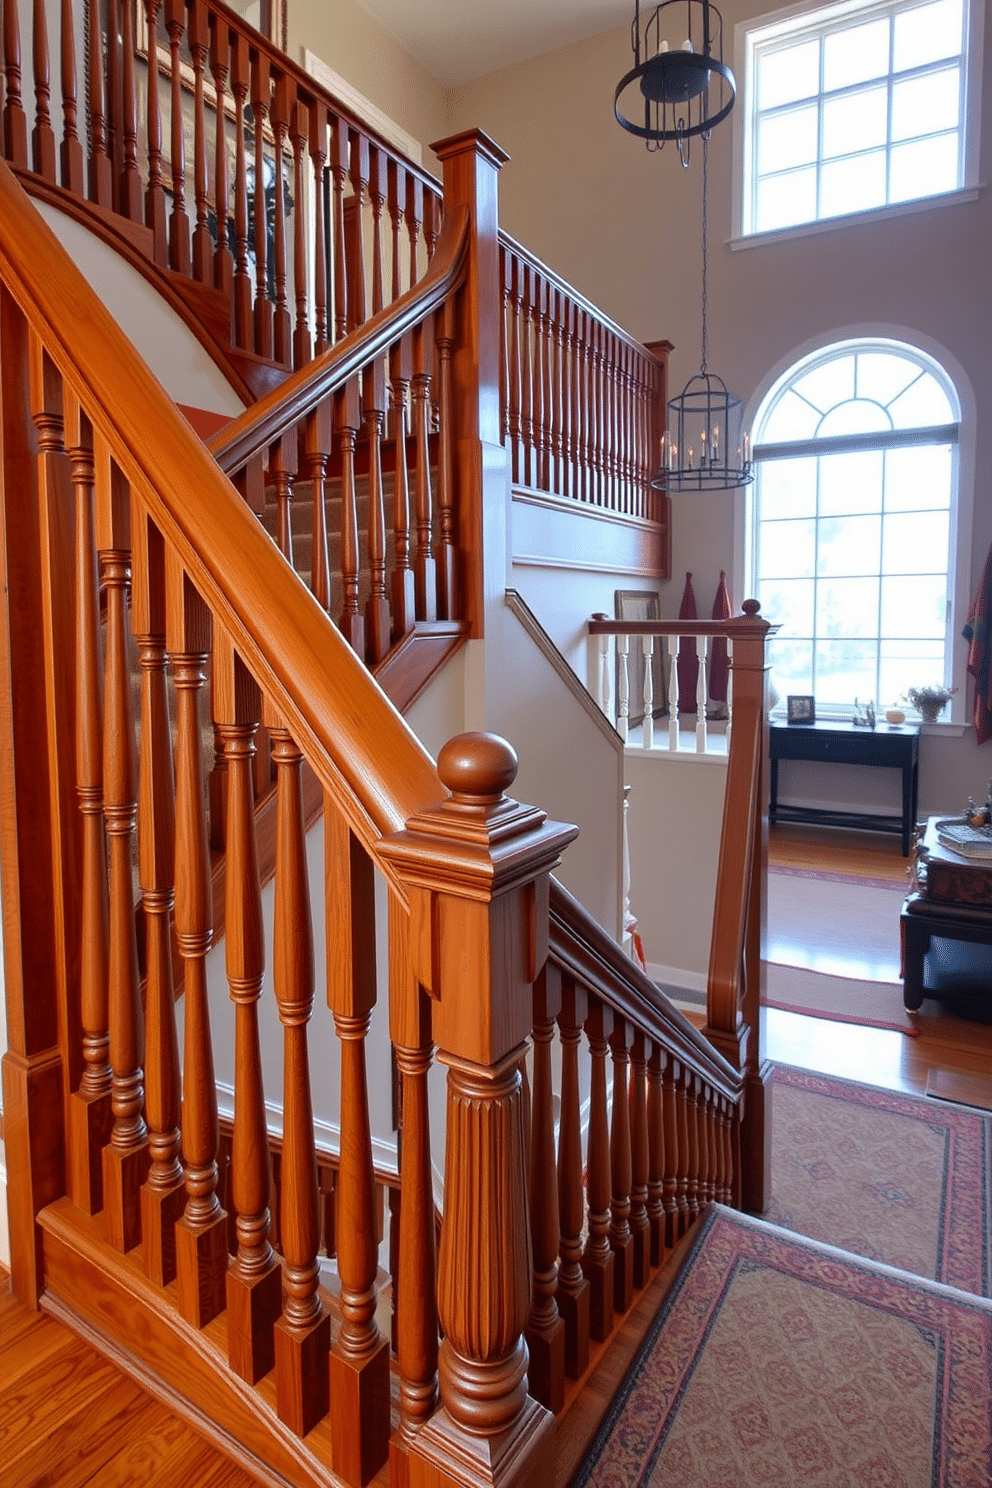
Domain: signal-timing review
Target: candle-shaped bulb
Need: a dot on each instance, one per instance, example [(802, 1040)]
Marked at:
[(662, 47), (687, 46), (715, 443), (747, 449)]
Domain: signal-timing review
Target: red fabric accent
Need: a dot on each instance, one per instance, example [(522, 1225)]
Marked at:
[(978, 630), (719, 661), (688, 665)]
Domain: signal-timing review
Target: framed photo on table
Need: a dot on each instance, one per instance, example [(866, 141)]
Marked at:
[(801, 708)]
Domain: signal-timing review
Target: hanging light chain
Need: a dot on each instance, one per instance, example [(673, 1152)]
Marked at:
[(702, 362)]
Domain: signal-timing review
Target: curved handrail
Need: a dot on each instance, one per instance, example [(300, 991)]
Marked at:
[(363, 752), (580, 946), (234, 445)]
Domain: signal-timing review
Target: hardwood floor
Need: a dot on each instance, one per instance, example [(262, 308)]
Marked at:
[(68, 1417), (952, 1053)]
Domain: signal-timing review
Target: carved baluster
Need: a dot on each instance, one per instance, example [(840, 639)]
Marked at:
[(424, 566), (603, 672), (347, 424), (283, 108), (377, 609), (709, 1117), (597, 1258), (317, 445), (115, 98), (414, 214), (414, 1273), (260, 92), (282, 469), (396, 179), (100, 173), (339, 175), (303, 1333), (511, 361), (242, 278), (671, 1125), (567, 325), (682, 1096), (201, 1233), (163, 1195), (300, 121), (584, 412), (557, 333), (656, 1154), (432, 222), (695, 1160), (317, 124), (621, 1239), (647, 737), (547, 411), (70, 150), (446, 559), (623, 686), (254, 1291), (360, 1358), (179, 248), (42, 136), (220, 49), (402, 588), (125, 1160), (155, 206), (639, 1165), (545, 1330), (727, 1114), (15, 121), (130, 186), (524, 276), (377, 197), (573, 1289), (674, 693), (355, 239), (199, 45), (89, 1112), (702, 647)]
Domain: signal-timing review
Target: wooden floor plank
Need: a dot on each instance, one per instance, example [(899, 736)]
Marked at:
[(77, 1451), (32, 1338), (49, 1394)]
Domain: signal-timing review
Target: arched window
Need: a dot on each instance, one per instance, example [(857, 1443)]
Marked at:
[(853, 530)]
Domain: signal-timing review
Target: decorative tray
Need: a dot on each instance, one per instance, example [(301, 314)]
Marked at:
[(969, 841)]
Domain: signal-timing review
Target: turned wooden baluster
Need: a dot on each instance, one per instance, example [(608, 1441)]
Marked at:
[(300, 130), (511, 316), (355, 241), (711, 1146), (656, 1153), (694, 1162), (220, 50), (115, 97), (639, 1165), (597, 1257), (163, 1195), (201, 1233), (432, 222), (15, 122), (545, 1331), (130, 185), (199, 46), (254, 1290), (260, 92), (727, 1146), (318, 125), (547, 375), (424, 565), (671, 1124), (377, 198), (155, 204), (377, 620), (446, 558), (396, 179), (602, 493), (179, 246), (125, 1159), (283, 106), (414, 214), (303, 1333), (70, 149), (347, 424), (414, 1273), (621, 1239), (317, 451), (402, 585), (42, 135), (101, 188), (339, 176), (682, 1130), (558, 400), (89, 1110), (242, 277), (524, 279), (359, 1369), (567, 322), (573, 1288), (282, 469)]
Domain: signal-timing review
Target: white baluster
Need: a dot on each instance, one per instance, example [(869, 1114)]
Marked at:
[(603, 677), (730, 694), (627, 940), (647, 737), (623, 686), (673, 693), (702, 646)]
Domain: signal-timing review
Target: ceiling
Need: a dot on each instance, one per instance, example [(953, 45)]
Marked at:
[(457, 40)]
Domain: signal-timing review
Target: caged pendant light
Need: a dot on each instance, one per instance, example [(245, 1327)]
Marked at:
[(679, 85)]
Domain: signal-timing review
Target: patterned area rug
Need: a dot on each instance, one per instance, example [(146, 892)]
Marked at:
[(895, 1178), (841, 999), (857, 923), (778, 1361)]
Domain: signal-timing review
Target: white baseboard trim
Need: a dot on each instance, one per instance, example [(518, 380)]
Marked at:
[(685, 988)]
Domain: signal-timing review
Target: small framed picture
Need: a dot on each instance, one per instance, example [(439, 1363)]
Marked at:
[(801, 709)]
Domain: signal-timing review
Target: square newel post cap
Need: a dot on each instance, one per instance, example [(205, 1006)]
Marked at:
[(476, 869), (474, 141)]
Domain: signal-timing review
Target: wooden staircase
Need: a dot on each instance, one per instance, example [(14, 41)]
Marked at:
[(587, 1123)]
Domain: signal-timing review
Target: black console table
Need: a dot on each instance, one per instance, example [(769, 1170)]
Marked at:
[(843, 744)]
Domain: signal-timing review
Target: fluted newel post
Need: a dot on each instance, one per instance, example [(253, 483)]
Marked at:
[(734, 981), (545, 1329), (476, 870)]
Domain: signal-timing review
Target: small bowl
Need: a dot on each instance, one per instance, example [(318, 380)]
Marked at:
[(895, 716)]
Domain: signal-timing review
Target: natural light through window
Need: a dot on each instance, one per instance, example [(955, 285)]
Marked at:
[(854, 505), (853, 107)]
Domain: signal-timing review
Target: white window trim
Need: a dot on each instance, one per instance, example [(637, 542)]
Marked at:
[(783, 20), (959, 571)]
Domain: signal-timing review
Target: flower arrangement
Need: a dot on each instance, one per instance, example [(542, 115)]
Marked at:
[(930, 701)]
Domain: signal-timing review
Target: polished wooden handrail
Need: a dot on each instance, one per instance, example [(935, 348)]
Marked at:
[(275, 624)]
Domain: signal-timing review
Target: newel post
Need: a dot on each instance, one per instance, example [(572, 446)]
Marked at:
[(476, 869)]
